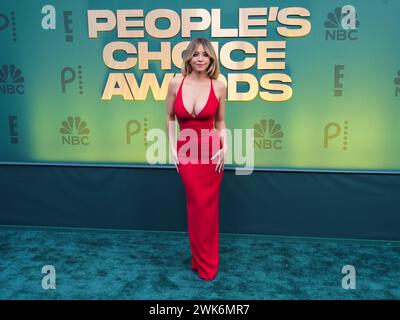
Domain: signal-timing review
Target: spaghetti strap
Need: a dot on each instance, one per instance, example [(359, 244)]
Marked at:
[(180, 86)]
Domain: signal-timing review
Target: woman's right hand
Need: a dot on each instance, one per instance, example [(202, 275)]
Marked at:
[(175, 159)]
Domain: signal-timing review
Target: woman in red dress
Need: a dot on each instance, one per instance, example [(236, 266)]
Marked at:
[(197, 100)]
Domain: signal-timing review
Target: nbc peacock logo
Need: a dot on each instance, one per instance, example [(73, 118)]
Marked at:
[(11, 80), (74, 131), (342, 24), (268, 135)]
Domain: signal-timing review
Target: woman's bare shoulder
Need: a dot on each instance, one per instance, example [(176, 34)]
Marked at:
[(174, 82), (218, 83), (177, 79), (219, 86)]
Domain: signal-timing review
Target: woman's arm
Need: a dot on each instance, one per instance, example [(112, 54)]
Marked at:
[(220, 117), (171, 122)]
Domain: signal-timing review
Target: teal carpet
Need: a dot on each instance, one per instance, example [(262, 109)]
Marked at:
[(106, 264)]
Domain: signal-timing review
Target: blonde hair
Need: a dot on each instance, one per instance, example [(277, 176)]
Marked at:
[(213, 68)]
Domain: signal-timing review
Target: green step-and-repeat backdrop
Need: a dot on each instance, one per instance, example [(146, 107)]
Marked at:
[(311, 85)]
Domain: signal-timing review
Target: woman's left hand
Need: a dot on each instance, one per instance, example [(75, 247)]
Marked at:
[(221, 153)]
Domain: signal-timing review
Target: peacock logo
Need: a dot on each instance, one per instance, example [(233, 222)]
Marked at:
[(11, 80), (74, 131), (268, 134), (342, 24)]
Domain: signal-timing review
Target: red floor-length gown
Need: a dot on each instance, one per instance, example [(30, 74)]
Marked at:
[(200, 180)]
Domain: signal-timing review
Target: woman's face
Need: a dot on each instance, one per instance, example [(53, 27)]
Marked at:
[(200, 59)]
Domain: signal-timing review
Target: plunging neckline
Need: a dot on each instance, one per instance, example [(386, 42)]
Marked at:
[(205, 106)]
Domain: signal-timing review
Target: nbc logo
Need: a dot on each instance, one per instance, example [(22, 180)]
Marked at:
[(268, 135), (11, 80), (342, 24), (74, 131)]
